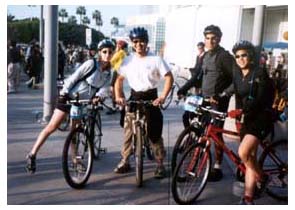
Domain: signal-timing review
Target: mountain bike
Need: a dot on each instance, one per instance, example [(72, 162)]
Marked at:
[(141, 142), (83, 143), (191, 173)]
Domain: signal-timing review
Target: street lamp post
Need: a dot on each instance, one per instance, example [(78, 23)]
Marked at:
[(258, 25), (50, 64), (41, 31)]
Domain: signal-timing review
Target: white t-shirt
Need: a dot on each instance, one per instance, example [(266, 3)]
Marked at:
[(143, 73)]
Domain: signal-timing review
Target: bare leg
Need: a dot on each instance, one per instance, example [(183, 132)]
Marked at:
[(247, 152), (55, 121)]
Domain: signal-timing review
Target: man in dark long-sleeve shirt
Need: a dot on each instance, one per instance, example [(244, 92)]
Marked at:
[(216, 77)]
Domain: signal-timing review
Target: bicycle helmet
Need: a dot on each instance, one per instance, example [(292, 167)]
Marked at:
[(105, 43), (244, 45), (140, 33), (212, 29)]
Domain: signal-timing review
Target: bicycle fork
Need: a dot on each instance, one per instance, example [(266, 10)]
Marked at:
[(198, 160)]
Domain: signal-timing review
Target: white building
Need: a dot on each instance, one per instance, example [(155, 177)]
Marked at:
[(185, 25)]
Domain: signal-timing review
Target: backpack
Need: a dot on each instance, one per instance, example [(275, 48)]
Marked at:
[(88, 74)]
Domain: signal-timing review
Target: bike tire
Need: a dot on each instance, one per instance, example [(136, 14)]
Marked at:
[(278, 172), (183, 142), (184, 188), (77, 167), (138, 157), (168, 100), (97, 137), (65, 123)]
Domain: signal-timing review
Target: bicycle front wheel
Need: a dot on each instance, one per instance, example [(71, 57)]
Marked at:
[(138, 157), (184, 141), (191, 174), (97, 137), (274, 162), (77, 158)]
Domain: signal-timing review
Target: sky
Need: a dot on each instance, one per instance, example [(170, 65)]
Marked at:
[(107, 12)]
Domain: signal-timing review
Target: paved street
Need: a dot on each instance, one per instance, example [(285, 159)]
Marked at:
[(47, 185)]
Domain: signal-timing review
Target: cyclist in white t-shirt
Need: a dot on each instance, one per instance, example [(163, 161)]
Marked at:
[(143, 71)]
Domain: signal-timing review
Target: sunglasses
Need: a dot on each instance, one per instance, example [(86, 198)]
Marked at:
[(107, 52), (241, 56), (138, 41)]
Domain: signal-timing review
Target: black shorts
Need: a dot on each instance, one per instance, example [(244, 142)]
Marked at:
[(259, 125), (62, 104)]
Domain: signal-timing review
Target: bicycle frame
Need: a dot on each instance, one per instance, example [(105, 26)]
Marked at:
[(212, 132)]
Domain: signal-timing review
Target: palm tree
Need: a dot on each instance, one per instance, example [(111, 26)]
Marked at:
[(63, 14), (81, 11), (115, 22), (10, 18), (72, 20), (96, 15), (85, 20)]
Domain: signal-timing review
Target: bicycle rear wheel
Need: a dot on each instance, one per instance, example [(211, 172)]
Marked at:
[(191, 174), (138, 157), (77, 158), (274, 162), (184, 141)]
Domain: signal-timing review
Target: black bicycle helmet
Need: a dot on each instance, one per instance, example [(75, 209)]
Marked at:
[(139, 33), (105, 43), (244, 45), (212, 29)]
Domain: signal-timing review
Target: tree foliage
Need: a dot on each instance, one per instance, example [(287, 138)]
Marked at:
[(26, 30)]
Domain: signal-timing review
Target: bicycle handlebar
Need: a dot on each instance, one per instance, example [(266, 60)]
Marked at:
[(212, 111), (144, 102)]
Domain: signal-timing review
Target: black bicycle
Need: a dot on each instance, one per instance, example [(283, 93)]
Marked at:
[(83, 143), (141, 143)]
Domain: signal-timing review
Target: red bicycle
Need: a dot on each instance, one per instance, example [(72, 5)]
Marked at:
[(191, 173)]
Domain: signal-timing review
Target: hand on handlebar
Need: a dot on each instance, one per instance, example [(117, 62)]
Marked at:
[(158, 101), (96, 100), (235, 113), (121, 101)]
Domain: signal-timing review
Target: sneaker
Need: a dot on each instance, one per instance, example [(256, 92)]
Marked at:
[(122, 167), (31, 163), (215, 175), (160, 172), (261, 185), (244, 202)]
